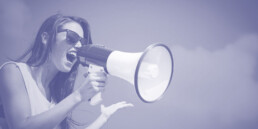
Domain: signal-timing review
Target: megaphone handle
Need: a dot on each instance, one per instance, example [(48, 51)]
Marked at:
[(96, 99)]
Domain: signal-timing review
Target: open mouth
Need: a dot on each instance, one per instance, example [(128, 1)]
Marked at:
[(71, 56)]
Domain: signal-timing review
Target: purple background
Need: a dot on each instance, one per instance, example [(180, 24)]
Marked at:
[(214, 44)]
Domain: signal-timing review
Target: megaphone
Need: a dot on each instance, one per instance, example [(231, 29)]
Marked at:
[(149, 71)]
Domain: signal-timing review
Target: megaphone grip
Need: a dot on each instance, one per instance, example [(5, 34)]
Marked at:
[(96, 99)]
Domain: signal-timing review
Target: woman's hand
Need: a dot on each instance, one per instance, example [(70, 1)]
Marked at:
[(94, 83), (108, 111)]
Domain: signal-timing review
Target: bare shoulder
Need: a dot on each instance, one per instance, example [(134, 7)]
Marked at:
[(13, 94), (10, 76), (9, 67)]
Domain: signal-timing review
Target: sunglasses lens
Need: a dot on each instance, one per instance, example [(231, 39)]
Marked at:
[(72, 37)]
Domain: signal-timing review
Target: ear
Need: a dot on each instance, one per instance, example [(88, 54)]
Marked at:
[(44, 38)]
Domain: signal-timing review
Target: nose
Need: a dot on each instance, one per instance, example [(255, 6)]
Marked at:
[(78, 45)]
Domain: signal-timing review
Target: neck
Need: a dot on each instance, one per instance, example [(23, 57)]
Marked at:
[(44, 74)]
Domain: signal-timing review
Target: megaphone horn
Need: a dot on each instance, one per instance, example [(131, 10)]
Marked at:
[(149, 71)]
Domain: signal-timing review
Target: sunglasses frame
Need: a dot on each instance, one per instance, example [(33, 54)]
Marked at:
[(70, 33)]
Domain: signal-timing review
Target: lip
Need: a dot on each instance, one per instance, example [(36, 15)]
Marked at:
[(71, 56)]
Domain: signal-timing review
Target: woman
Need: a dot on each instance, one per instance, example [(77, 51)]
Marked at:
[(39, 94)]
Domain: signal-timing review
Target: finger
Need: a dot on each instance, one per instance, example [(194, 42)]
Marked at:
[(101, 89), (96, 88), (91, 90), (85, 74), (129, 105), (117, 104), (97, 84), (98, 73), (125, 105), (97, 78), (102, 106)]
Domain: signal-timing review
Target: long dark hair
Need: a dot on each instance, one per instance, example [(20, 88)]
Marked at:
[(63, 83)]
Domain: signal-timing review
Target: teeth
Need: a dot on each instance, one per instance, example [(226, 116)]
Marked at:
[(71, 56), (73, 53)]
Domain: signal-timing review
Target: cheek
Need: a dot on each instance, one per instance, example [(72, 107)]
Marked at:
[(60, 46), (58, 54), (59, 50)]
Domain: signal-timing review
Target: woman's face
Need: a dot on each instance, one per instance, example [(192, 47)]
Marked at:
[(64, 50)]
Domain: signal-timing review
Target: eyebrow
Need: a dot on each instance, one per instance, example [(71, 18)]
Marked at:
[(62, 30)]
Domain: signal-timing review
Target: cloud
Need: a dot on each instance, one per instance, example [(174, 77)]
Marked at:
[(216, 89)]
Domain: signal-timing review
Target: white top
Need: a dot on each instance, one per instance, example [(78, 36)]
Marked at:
[(38, 102)]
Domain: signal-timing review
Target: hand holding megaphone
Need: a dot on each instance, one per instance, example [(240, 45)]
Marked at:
[(97, 98), (93, 85)]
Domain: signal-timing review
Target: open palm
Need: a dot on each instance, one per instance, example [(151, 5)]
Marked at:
[(108, 111)]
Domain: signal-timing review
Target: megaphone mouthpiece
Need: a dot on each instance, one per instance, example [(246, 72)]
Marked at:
[(94, 54)]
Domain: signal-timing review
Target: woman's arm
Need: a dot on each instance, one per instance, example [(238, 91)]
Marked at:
[(106, 112), (16, 102), (98, 123), (17, 105)]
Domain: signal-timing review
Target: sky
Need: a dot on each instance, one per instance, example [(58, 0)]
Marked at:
[(214, 46)]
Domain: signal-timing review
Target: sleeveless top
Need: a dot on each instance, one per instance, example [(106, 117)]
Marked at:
[(38, 102)]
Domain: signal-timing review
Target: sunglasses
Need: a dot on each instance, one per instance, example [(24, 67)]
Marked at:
[(73, 37)]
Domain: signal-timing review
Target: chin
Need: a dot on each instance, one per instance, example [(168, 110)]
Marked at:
[(66, 70), (67, 67)]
